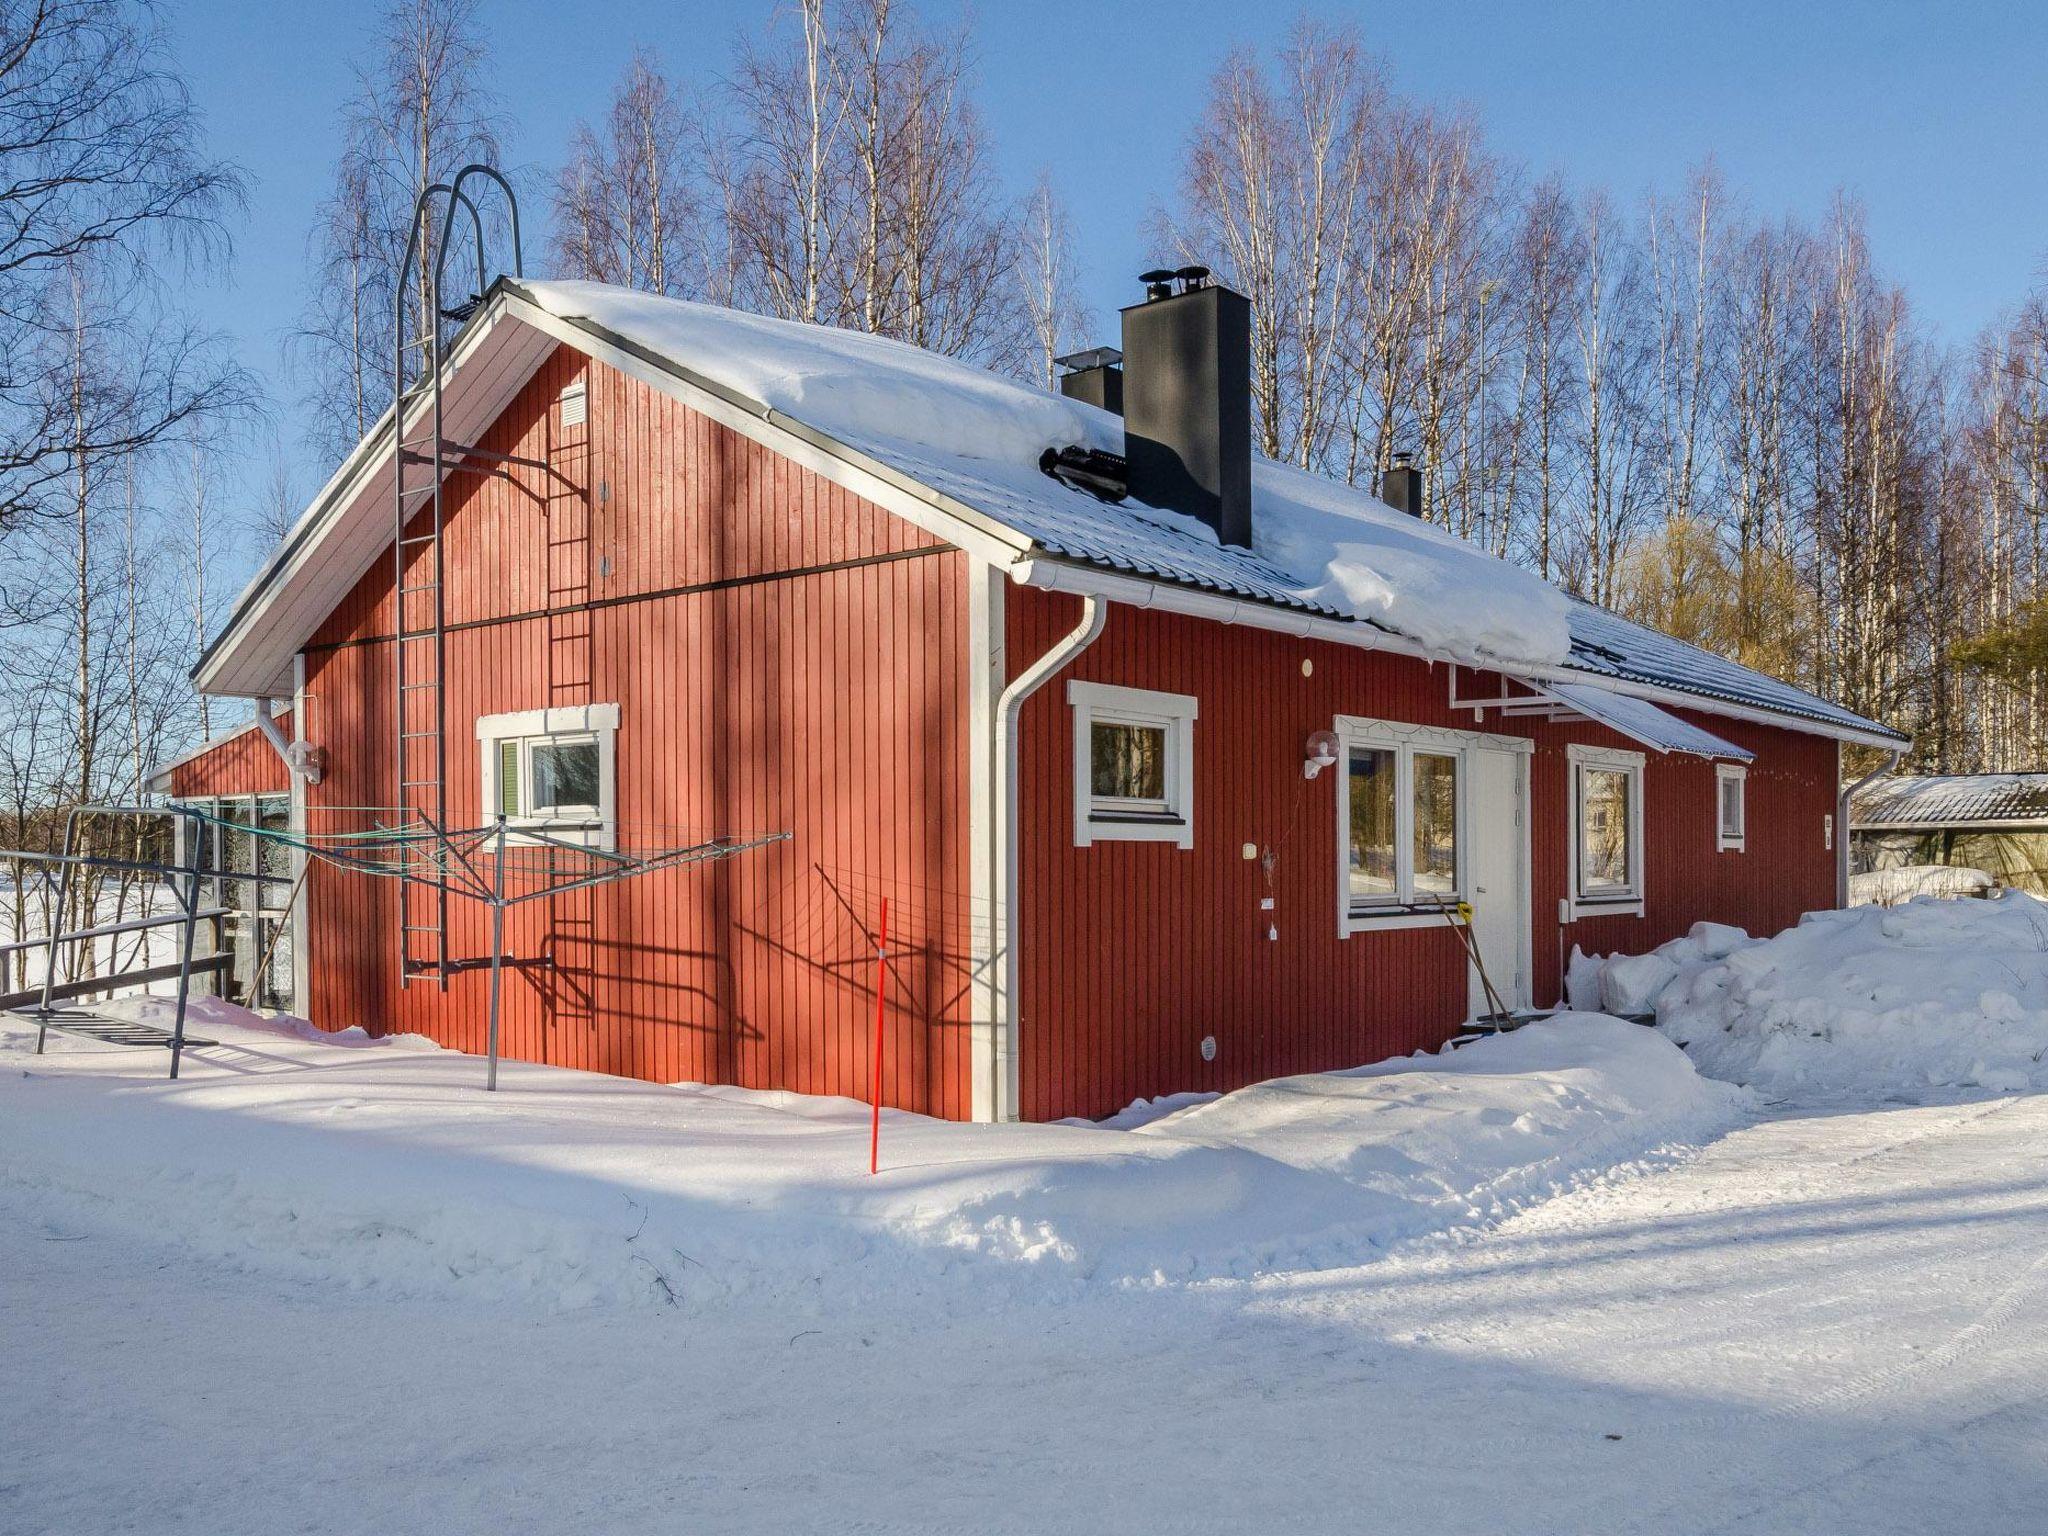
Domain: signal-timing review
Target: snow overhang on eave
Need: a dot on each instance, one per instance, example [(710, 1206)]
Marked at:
[(1059, 573), (349, 524)]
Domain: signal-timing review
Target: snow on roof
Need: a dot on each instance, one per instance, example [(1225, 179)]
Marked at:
[(1611, 646), (1318, 545), (1939, 800)]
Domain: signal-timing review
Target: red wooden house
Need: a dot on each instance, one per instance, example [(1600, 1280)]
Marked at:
[(1172, 766)]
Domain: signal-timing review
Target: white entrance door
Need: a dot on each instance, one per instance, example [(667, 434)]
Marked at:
[(1498, 869)]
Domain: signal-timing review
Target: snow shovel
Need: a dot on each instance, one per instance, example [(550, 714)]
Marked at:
[(1460, 919)]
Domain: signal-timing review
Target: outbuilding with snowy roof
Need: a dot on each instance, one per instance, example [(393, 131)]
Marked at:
[(1995, 822)]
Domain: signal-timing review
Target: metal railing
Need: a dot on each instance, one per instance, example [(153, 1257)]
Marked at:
[(185, 879)]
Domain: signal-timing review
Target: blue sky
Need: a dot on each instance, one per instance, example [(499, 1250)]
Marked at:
[(1934, 116)]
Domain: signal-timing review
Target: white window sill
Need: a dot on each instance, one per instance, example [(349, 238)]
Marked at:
[(1731, 845), (1397, 919), (1624, 906), (541, 832), (1136, 829)]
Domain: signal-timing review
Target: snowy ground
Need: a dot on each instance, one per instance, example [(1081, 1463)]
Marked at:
[(1835, 1317)]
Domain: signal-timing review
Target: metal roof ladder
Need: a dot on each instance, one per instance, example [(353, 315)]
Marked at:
[(419, 521)]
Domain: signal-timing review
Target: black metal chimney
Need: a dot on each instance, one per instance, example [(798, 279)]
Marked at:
[(1095, 376), (1187, 389), (1401, 486)]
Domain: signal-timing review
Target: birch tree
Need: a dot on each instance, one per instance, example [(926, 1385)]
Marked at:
[(420, 111)]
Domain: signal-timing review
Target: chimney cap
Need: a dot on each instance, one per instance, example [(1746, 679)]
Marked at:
[(1193, 277), (1093, 357)]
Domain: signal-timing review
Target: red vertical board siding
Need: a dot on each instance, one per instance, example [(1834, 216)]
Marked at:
[(797, 687), (242, 764), (1132, 952)]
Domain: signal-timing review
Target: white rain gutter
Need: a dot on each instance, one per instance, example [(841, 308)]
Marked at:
[(1003, 865), (1140, 592), (1891, 761)]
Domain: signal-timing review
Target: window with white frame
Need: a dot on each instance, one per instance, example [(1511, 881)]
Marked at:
[(1134, 765), (1731, 783), (1402, 819), (1606, 832), (552, 772)]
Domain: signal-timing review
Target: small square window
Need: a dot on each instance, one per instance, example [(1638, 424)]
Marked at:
[(549, 772), (1133, 765), (1731, 785)]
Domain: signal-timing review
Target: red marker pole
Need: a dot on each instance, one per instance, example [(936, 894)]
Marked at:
[(881, 982)]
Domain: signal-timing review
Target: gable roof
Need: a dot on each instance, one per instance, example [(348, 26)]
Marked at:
[(1953, 800), (955, 449)]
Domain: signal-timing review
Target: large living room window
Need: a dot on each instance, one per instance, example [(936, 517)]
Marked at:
[(551, 772), (1134, 765), (1402, 818), (1606, 832)]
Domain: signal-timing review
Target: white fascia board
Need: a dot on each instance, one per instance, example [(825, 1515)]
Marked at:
[(1140, 592), (920, 506), (326, 552)]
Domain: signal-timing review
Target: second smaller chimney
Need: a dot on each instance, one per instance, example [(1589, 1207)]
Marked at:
[(1095, 376), (1401, 486)]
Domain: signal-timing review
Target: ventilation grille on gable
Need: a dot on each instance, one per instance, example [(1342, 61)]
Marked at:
[(575, 407)]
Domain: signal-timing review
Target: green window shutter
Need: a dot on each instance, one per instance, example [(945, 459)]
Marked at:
[(508, 778)]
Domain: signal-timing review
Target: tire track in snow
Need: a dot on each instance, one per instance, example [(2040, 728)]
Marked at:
[(1600, 1331)]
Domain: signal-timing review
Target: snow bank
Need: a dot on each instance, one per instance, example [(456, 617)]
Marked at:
[(387, 1168), (1872, 1000), (911, 407), (203, 1014)]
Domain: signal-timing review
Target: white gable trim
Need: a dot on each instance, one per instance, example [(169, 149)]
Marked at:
[(304, 581), (347, 527)]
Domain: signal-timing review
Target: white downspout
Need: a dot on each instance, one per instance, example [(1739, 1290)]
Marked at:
[(1891, 761), (1003, 863), (267, 724)]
